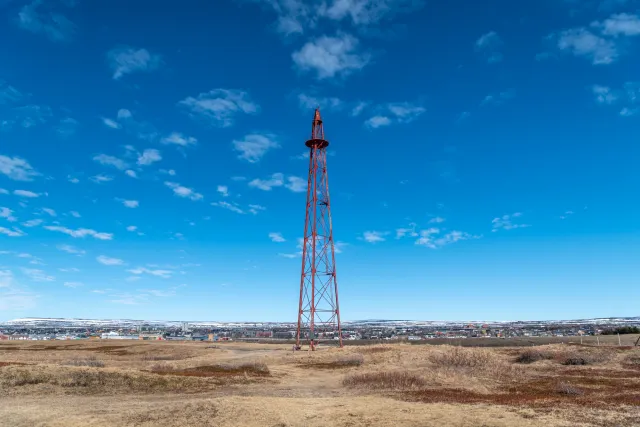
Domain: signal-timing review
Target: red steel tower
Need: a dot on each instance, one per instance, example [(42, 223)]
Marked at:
[(318, 311)]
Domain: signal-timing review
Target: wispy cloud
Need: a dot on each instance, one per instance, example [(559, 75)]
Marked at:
[(374, 236), (329, 57), (276, 237), (115, 162), (165, 274), (12, 232), (232, 206), (499, 98), (308, 102), (7, 214), (130, 203), (128, 60), (219, 107), (80, 232), (394, 112), (254, 146), (37, 275), (489, 46), (49, 212), (507, 222), (25, 193), (98, 179), (32, 223), (38, 18), (179, 139), (73, 284), (182, 191), (102, 259), (71, 249), (432, 238), (17, 169), (293, 183)]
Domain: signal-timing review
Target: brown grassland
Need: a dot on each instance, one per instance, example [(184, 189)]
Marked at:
[(142, 383)]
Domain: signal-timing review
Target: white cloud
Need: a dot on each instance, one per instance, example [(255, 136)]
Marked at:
[(291, 256), (373, 236), (604, 94), (37, 275), (359, 108), (8, 93), (489, 45), (309, 102), (506, 222), (331, 57), (101, 178), (276, 180), (437, 220), (296, 184), (224, 190), (405, 112), (25, 193), (233, 207), (132, 228), (69, 270), (127, 60), (131, 173), (67, 127), (276, 237), (71, 249), (254, 146), (377, 121), (219, 106), (73, 284), (17, 169), (111, 123), (54, 25), (130, 203), (179, 139), (111, 161), (499, 98), (254, 209), (582, 42), (628, 112), (32, 223), (73, 180), (165, 274), (411, 231), (80, 232), (428, 239), (109, 261), (124, 114), (148, 156), (622, 24), (75, 214), (3, 191), (7, 214), (14, 232), (50, 212), (181, 191)]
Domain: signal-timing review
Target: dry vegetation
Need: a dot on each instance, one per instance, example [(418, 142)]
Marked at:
[(79, 383)]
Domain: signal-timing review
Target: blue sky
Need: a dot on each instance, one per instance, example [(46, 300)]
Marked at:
[(484, 160)]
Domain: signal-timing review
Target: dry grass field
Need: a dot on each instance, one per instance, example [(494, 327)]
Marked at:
[(142, 383)]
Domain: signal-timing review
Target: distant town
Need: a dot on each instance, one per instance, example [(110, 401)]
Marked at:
[(76, 329)]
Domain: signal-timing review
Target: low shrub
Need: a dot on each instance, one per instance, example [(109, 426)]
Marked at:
[(568, 389), (461, 357), (91, 361), (530, 356), (390, 380)]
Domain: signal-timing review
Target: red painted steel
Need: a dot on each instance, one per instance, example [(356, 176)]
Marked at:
[(318, 310)]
